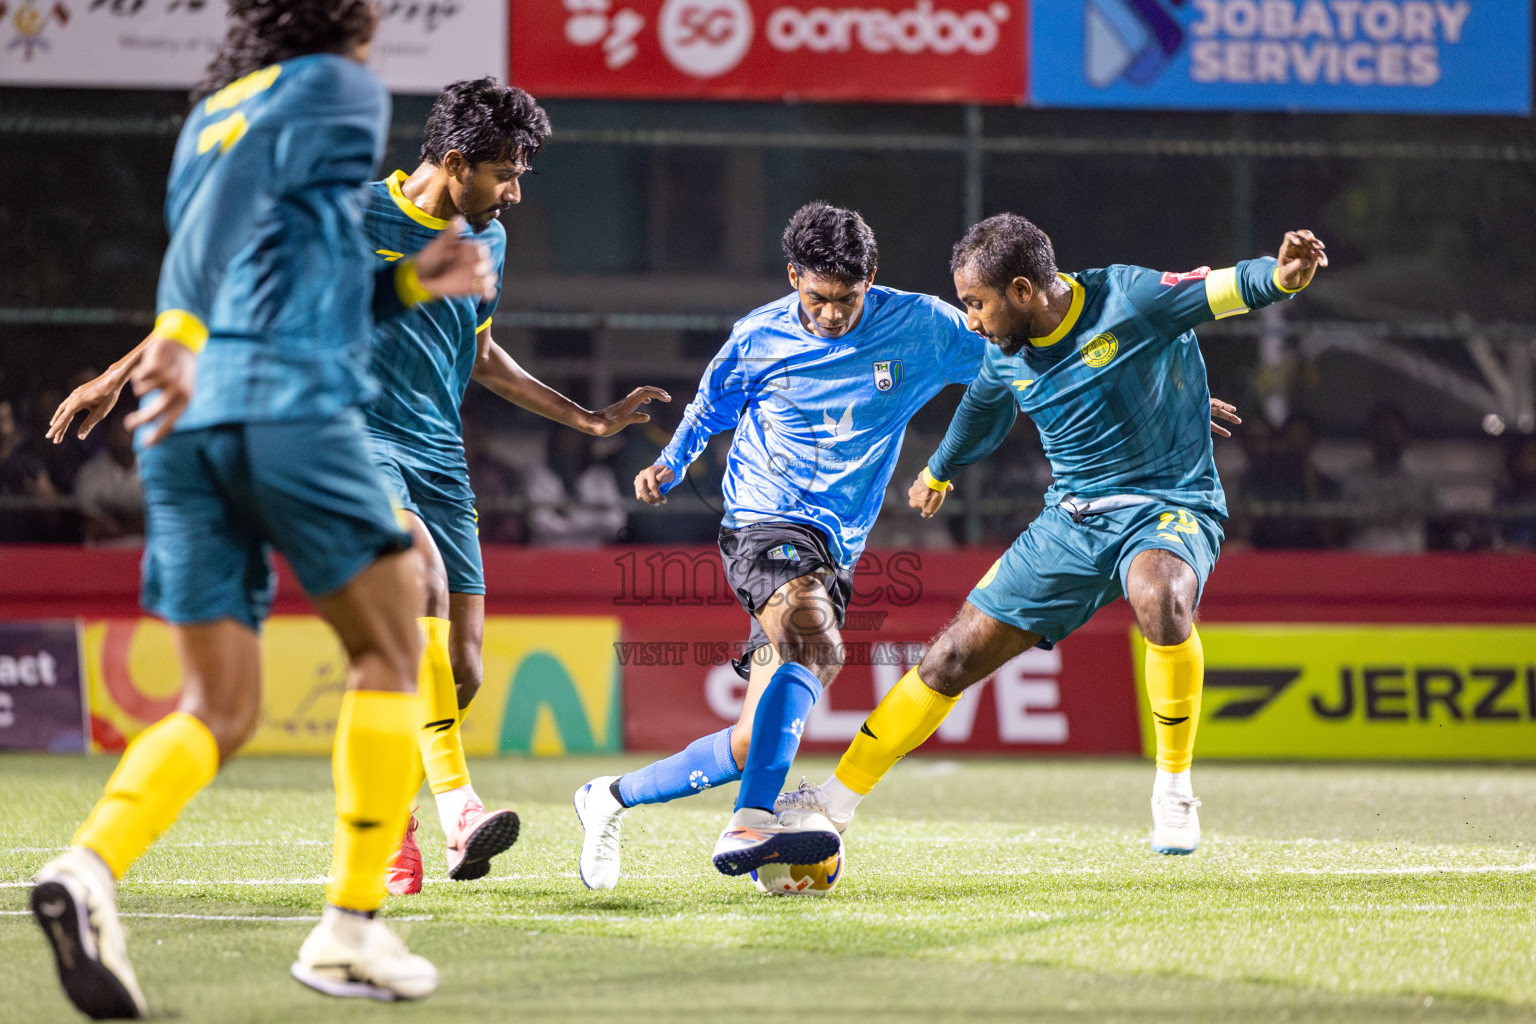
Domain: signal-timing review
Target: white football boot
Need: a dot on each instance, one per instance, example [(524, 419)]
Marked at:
[(1175, 823), (600, 815), (357, 957), (809, 797), (756, 837), (74, 899)]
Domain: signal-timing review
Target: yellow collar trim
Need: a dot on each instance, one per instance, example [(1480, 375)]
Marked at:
[(1067, 322), (410, 209)]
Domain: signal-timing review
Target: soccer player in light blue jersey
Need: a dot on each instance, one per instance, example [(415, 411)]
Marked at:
[(252, 440), (819, 387), (1106, 364)]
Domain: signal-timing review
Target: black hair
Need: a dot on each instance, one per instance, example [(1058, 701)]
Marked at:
[(830, 241), (1004, 247), (263, 32), (486, 121)]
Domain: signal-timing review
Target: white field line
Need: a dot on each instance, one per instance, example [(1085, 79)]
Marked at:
[(281, 919), (186, 846)]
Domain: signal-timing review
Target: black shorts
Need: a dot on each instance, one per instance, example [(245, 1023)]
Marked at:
[(762, 557)]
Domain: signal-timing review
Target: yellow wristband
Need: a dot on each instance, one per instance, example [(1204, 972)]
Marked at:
[(180, 325), (1288, 291), (408, 284), (934, 483)]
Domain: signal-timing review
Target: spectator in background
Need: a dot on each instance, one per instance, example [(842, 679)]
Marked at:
[(1281, 469), (22, 476), (577, 503), (108, 490), (1395, 502), (63, 459), (494, 483), (1519, 493)]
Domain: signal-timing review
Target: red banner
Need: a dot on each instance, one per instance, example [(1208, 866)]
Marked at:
[(928, 51)]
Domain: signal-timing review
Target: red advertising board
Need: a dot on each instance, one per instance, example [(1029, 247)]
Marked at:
[(927, 51)]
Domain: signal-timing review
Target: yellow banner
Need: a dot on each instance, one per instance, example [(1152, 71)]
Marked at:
[(1442, 693), (551, 684)]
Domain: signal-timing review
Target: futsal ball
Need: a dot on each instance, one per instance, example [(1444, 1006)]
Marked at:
[(801, 879)]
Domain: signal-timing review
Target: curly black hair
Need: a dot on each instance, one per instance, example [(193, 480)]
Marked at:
[(1004, 247), (485, 121), (830, 241), (263, 32)]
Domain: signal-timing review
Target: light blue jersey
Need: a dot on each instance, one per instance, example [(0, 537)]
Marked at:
[(819, 421)]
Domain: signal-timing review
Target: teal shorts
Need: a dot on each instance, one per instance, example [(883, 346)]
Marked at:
[(1061, 570), (219, 500), (446, 503)]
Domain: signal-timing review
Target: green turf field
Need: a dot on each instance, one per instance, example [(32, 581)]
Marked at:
[(981, 889)]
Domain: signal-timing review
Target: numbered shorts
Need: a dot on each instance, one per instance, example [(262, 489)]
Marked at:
[(1060, 571), (220, 499), (446, 503), (762, 557)]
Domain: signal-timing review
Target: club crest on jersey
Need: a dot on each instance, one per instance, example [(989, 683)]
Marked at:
[(888, 376), (1101, 348)]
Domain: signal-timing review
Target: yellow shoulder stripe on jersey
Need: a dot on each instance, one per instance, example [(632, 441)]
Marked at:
[(482, 327), (1288, 291), (1222, 294), (180, 325), (242, 89), (224, 132), (408, 284), (1067, 322), (933, 482), (410, 209)]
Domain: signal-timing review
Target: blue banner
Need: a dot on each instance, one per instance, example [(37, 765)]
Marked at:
[(1393, 56)]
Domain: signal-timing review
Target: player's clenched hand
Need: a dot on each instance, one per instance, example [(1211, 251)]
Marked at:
[(1223, 411), (623, 413), (924, 498), (648, 484), (95, 398), (169, 367), (451, 265), (1301, 254)]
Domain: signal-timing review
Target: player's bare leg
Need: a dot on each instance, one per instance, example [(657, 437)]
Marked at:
[(1162, 589), (972, 647), (350, 953), (165, 766)]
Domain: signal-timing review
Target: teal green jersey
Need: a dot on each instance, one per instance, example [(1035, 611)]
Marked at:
[(423, 359), (1118, 390)]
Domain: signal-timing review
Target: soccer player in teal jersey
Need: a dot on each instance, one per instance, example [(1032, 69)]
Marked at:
[(481, 137), (1106, 364), (251, 440)]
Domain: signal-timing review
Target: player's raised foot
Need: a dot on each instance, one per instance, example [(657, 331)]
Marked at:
[(403, 876), (756, 837), (478, 836), (600, 815), (354, 956), (1175, 823), (809, 797), (74, 899)]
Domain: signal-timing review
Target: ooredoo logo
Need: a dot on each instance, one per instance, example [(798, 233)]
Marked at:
[(877, 30), (705, 38)]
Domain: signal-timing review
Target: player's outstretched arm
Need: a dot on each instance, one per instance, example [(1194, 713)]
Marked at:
[(498, 371), (649, 483), (95, 397), (168, 366), (1301, 253), (1223, 411), (926, 494)]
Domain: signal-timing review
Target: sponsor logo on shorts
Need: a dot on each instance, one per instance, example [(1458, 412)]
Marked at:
[(784, 553), (1100, 349)]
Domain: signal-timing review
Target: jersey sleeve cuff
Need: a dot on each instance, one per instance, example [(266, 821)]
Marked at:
[(1288, 291), (408, 284), (181, 326), (933, 482), (483, 326), (1223, 294)]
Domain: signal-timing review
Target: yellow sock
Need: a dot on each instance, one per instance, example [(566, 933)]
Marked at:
[(1174, 677), (373, 765), (898, 725), (442, 745), (161, 770)]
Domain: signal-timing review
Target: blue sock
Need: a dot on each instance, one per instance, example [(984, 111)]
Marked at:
[(781, 713), (705, 762)]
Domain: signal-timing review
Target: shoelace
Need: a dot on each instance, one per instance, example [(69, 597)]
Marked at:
[(608, 835), (1177, 808)]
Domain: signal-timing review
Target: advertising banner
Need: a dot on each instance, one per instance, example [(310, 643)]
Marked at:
[(1448, 693), (422, 45), (1408, 56), (933, 51), (550, 684), (41, 707)]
